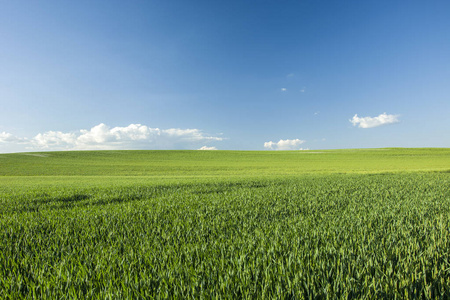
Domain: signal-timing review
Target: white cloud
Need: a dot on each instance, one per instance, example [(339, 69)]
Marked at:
[(207, 148), (370, 122), (102, 137), (303, 90), (290, 75), (284, 145), (6, 137), (283, 89), (190, 134), (52, 139)]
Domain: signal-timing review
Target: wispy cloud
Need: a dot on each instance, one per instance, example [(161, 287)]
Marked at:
[(370, 122), (103, 137), (284, 145), (8, 138), (290, 75), (207, 148), (283, 89)]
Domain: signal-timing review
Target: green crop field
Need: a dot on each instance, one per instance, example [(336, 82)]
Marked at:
[(363, 223)]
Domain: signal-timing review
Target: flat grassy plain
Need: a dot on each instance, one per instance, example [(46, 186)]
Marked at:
[(363, 223)]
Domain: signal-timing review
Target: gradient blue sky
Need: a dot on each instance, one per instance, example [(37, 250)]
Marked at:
[(237, 74)]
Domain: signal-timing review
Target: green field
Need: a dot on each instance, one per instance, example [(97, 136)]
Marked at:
[(366, 223)]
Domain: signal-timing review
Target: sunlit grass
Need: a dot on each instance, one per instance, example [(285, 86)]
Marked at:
[(215, 235), (223, 163)]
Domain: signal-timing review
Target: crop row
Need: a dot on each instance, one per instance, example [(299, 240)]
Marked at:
[(335, 236)]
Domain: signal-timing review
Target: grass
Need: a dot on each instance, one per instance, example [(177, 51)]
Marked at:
[(222, 163), (225, 224)]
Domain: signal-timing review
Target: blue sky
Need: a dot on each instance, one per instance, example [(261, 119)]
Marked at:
[(231, 75)]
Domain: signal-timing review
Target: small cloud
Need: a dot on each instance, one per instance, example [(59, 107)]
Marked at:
[(284, 145), (370, 122), (207, 148), (316, 113), (283, 89), (290, 75), (303, 90), (6, 137), (189, 134)]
